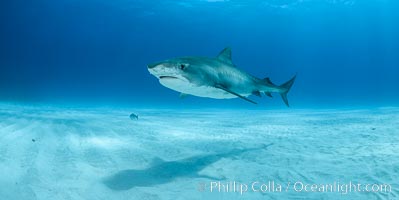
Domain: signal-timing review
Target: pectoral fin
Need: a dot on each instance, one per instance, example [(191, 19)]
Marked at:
[(234, 93)]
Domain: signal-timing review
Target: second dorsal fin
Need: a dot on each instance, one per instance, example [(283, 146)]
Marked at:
[(268, 81)]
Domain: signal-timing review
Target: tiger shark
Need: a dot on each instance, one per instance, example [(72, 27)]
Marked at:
[(214, 77)]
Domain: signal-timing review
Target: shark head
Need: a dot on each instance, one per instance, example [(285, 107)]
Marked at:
[(198, 71), (185, 74), (172, 70)]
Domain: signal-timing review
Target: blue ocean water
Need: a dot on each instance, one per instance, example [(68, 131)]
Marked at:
[(345, 52), (71, 73)]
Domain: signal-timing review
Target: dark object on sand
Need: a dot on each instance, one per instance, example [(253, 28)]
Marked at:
[(162, 172), (33, 140), (134, 116), (373, 129)]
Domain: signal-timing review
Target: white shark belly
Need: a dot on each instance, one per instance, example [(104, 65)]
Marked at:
[(200, 91)]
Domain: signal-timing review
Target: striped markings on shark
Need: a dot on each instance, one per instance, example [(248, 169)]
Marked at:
[(214, 77), (162, 172)]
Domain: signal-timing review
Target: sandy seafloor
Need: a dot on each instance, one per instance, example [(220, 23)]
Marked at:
[(75, 149)]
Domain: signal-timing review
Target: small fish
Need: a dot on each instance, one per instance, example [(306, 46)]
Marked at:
[(134, 116)]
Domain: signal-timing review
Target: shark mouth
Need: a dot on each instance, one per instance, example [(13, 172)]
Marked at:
[(171, 77)]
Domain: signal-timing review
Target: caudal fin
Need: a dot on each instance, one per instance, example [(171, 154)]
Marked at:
[(285, 89)]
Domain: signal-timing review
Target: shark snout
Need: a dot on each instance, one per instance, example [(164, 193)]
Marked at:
[(152, 65), (156, 69), (156, 65)]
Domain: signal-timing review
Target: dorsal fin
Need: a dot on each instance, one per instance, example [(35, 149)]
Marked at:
[(267, 80), (225, 55)]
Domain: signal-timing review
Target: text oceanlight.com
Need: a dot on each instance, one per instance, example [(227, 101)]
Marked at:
[(297, 186)]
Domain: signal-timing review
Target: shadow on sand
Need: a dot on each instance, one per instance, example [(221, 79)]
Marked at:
[(161, 171)]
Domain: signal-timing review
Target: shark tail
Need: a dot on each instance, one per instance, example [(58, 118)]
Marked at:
[(285, 88)]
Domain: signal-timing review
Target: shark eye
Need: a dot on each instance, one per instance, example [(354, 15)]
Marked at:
[(182, 66)]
